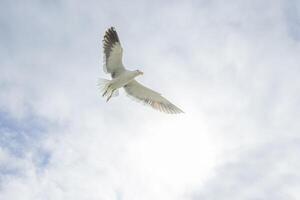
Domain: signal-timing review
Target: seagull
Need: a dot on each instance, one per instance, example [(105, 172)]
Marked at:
[(122, 77)]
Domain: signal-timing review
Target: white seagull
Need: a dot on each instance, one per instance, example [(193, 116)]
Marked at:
[(122, 77)]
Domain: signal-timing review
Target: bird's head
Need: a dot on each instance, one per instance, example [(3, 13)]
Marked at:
[(139, 72)]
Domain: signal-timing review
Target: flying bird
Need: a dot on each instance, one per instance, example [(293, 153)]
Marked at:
[(122, 77)]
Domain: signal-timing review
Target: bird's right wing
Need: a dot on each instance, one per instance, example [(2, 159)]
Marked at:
[(113, 53), (150, 97)]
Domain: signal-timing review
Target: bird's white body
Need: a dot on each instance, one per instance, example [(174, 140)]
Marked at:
[(110, 87), (123, 79)]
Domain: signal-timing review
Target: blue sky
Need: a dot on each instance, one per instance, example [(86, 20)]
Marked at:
[(232, 66)]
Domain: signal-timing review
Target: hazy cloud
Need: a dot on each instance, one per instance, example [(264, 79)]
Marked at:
[(232, 66)]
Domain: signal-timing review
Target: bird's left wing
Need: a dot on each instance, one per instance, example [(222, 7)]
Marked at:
[(113, 53), (150, 97)]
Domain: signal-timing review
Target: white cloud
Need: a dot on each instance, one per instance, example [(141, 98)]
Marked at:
[(266, 171), (234, 70)]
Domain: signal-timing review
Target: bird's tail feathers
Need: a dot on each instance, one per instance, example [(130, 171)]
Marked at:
[(105, 89), (103, 84)]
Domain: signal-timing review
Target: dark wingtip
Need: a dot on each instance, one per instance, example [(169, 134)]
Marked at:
[(111, 34), (111, 28)]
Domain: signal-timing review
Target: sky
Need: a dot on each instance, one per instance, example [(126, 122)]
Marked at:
[(232, 66)]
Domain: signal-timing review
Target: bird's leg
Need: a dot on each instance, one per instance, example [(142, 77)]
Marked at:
[(108, 98), (110, 95), (106, 90)]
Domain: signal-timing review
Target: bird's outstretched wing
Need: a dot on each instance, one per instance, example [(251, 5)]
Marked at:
[(113, 53), (150, 97)]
